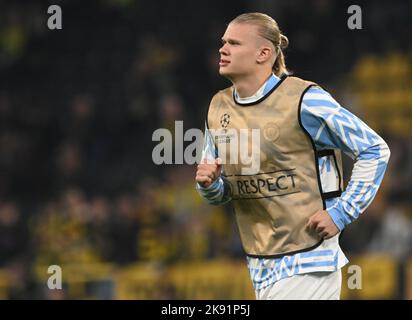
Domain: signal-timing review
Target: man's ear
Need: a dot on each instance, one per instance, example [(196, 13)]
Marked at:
[(265, 54)]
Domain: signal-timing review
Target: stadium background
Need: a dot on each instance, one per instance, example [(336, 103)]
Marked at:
[(78, 107)]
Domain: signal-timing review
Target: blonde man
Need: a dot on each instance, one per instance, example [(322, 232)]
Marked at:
[(291, 212)]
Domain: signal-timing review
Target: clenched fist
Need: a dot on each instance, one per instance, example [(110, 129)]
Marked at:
[(322, 223), (207, 173)]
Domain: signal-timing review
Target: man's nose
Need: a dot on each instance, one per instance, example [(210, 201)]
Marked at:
[(223, 50)]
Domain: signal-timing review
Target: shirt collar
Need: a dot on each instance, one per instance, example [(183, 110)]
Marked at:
[(263, 90)]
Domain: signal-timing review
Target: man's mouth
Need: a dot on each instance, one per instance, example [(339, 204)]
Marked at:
[(223, 62)]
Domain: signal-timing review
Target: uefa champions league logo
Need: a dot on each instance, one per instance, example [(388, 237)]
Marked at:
[(225, 120)]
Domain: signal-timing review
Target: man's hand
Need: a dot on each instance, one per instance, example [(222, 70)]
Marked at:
[(322, 223), (207, 173)]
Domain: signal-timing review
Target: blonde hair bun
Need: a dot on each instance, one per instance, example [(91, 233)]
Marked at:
[(284, 42)]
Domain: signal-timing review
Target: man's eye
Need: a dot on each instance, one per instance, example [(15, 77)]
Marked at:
[(232, 43)]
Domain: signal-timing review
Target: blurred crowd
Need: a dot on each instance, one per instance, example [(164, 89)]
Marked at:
[(78, 107)]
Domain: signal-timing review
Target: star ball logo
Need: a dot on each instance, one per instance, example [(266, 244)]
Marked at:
[(225, 120)]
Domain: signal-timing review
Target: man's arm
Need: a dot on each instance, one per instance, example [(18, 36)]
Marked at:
[(211, 185), (332, 126)]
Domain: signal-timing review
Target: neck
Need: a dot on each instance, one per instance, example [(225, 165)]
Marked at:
[(247, 86)]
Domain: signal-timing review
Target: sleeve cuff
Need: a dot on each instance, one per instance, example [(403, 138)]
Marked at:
[(336, 216), (211, 187)]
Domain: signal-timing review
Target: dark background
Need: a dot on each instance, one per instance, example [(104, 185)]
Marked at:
[(78, 107)]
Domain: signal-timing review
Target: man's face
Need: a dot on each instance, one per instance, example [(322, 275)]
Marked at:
[(240, 50)]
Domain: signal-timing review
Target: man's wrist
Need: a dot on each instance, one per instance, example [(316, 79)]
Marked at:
[(211, 186)]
